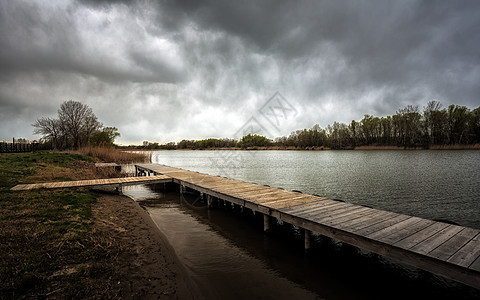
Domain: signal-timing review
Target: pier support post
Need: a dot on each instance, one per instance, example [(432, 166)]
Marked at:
[(266, 223), (119, 189), (307, 234), (209, 201), (181, 188)]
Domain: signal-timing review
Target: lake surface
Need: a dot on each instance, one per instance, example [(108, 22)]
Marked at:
[(430, 184), (227, 254)]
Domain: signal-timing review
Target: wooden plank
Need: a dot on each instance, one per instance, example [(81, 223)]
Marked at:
[(234, 187), (53, 185), (356, 224), (262, 197), (310, 206), (238, 195), (325, 218), (250, 192), (475, 265), (88, 182), (381, 225), (318, 206), (321, 209), (35, 186), (286, 203), (300, 207), (66, 184), (402, 233), (79, 183), (360, 211), (452, 245), (226, 186), (19, 187), (211, 182), (313, 207), (237, 187), (350, 218), (327, 211), (436, 240), (201, 177), (275, 196), (26, 187), (421, 235), (378, 234), (468, 253), (290, 198)]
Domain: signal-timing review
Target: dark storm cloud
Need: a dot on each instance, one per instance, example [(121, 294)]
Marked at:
[(381, 43), (193, 69), (41, 39)]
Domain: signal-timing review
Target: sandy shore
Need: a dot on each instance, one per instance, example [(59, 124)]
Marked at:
[(147, 266)]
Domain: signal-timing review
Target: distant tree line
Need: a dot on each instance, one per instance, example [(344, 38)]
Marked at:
[(455, 125), (76, 126), (408, 127)]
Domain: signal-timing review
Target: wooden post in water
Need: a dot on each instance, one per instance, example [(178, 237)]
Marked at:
[(209, 201), (266, 223), (307, 234), (119, 189), (181, 187)]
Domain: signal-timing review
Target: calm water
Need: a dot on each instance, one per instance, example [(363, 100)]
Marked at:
[(429, 184)]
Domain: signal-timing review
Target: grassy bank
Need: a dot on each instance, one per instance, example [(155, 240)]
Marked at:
[(48, 245)]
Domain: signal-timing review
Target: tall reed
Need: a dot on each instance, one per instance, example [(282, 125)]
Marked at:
[(111, 154)]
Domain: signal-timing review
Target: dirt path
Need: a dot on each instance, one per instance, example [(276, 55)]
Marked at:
[(147, 266)]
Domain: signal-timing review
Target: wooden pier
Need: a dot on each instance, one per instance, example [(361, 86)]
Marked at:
[(96, 183), (444, 249)]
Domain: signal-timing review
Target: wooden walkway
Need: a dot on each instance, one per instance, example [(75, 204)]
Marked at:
[(94, 183), (447, 250)]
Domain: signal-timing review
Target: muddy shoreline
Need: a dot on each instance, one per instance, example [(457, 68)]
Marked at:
[(147, 266)]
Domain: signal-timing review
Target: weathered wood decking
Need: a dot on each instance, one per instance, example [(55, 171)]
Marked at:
[(93, 183), (448, 250)]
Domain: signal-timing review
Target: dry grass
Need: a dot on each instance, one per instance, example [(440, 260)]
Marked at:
[(455, 147), (374, 147), (110, 154)]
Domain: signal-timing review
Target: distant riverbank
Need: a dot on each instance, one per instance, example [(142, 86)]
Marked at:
[(372, 147)]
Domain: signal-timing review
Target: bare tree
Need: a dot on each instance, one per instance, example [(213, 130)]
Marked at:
[(78, 121), (50, 129), (75, 125)]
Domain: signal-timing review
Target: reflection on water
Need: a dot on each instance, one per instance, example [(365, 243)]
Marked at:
[(228, 256), (430, 184)]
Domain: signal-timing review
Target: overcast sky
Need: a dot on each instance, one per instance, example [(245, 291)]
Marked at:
[(167, 70)]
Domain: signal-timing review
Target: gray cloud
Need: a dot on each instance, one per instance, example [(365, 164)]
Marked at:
[(193, 69)]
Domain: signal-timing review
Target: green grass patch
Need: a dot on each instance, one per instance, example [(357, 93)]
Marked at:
[(48, 166), (48, 245)]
